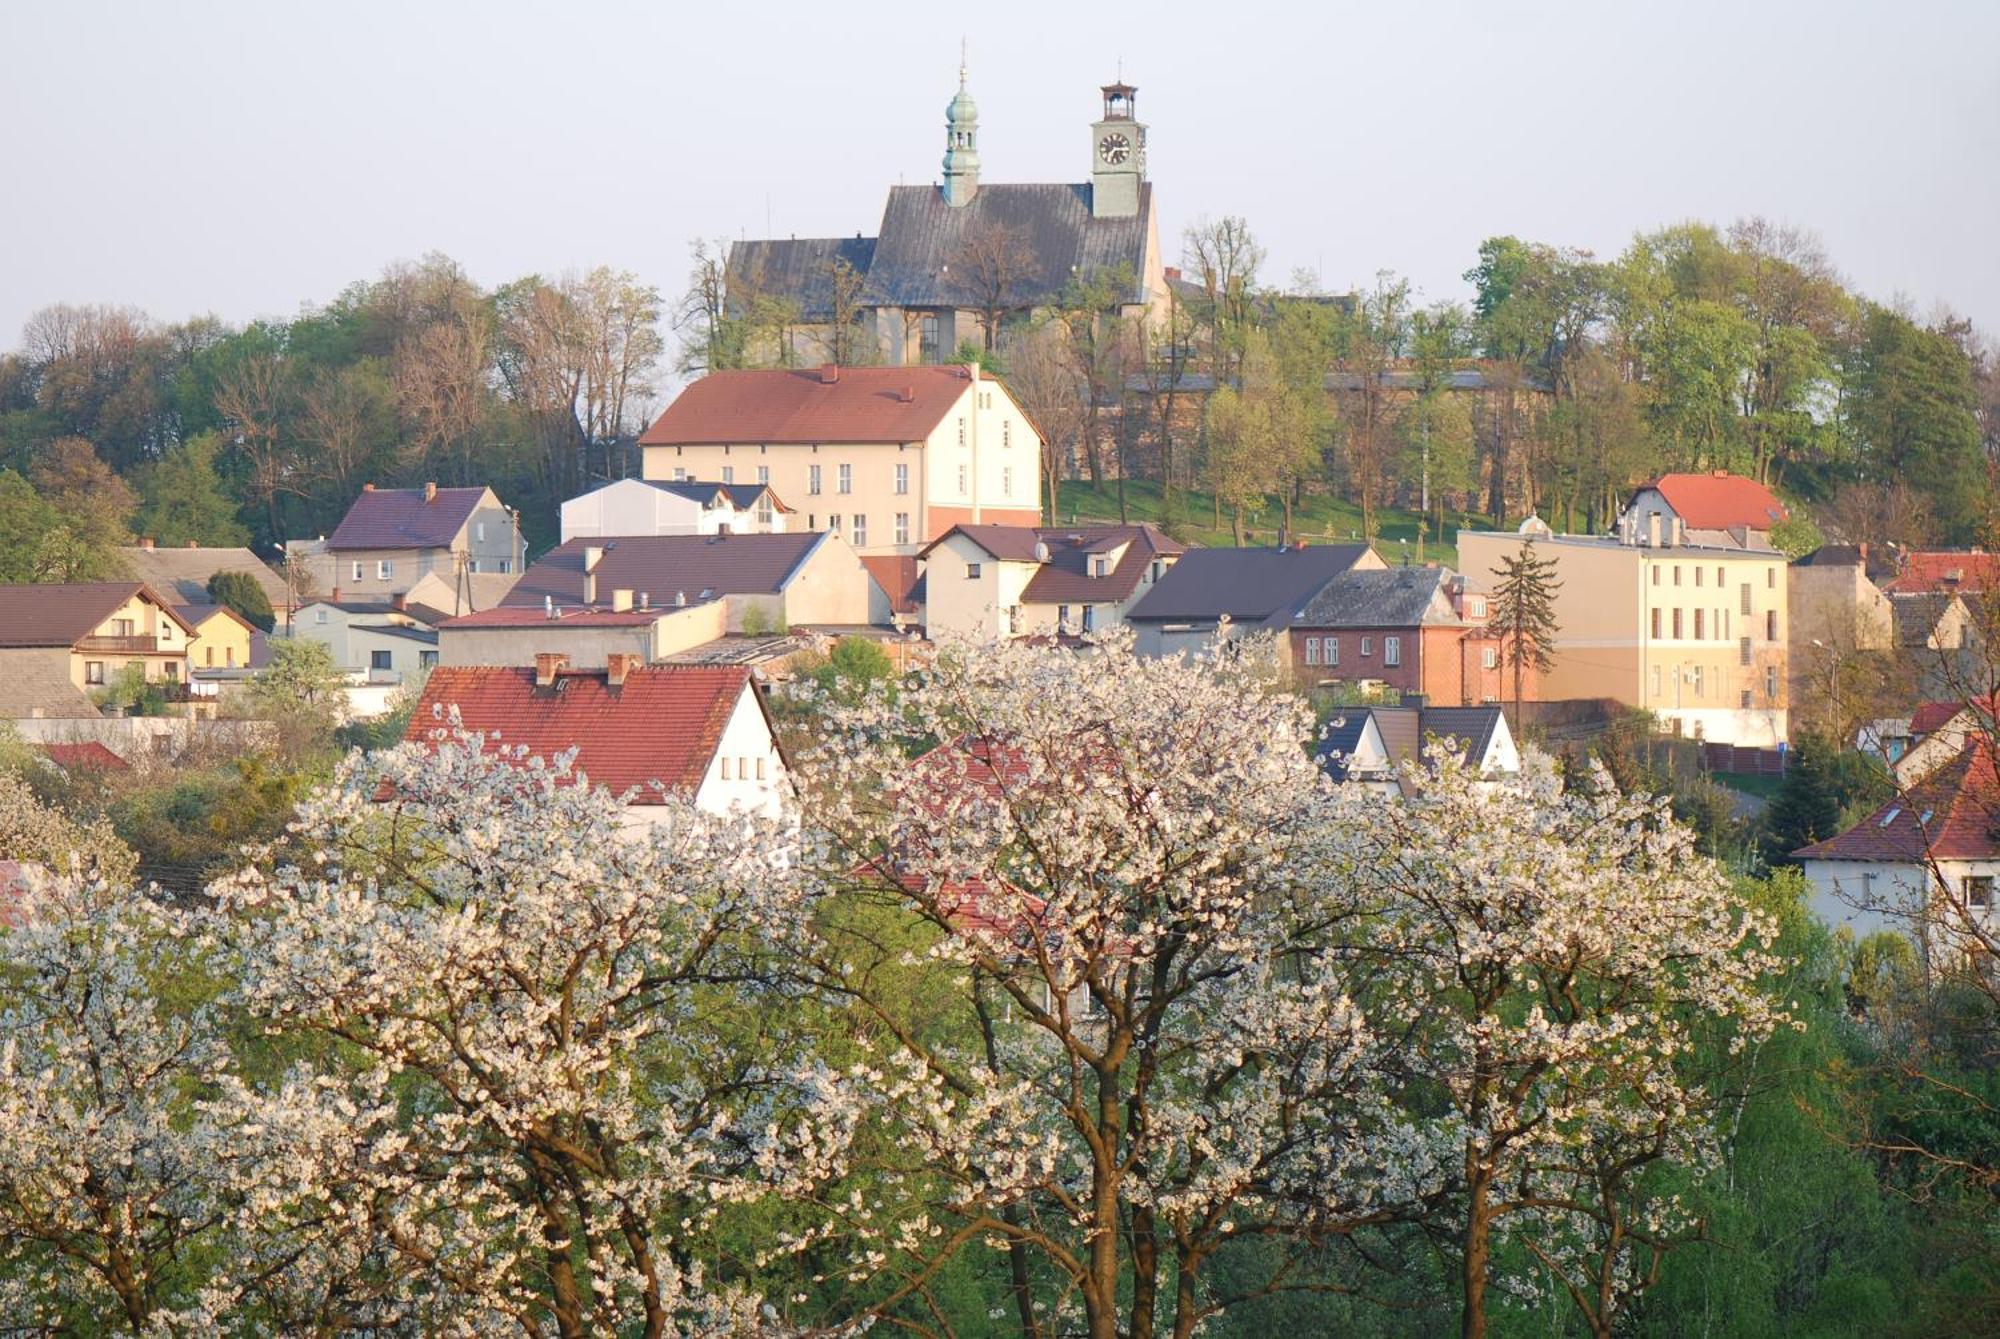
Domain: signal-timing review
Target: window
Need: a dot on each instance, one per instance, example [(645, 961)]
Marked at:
[(902, 527), (1697, 680), (962, 489), (765, 514), (1677, 574), (1770, 625), (1312, 650), (1770, 577), (1489, 658), (427, 658), (1100, 564), (1697, 623), (729, 474), (358, 569), (208, 655), (1697, 576), (1478, 604), (1006, 481), (1979, 890), (845, 475), (379, 660), (93, 671), (1677, 625), (1656, 681), (384, 569), (725, 766), (1392, 650), (1062, 618), (1743, 651), (171, 670), (812, 479), (961, 430), (1746, 598), (833, 523), (1006, 432), (229, 654), (760, 769), (972, 571), (1656, 625), (1330, 648), (902, 478), (1656, 574), (1089, 617), (927, 349), (763, 474), (860, 529), (319, 615), (680, 474), (1746, 699), (1771, 683), (1720, 579), (122, 627), (1367, 647)]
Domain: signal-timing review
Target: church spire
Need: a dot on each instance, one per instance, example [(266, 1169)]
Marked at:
[(961, 142)]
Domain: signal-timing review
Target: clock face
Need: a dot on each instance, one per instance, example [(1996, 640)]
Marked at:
[(1114, 148)]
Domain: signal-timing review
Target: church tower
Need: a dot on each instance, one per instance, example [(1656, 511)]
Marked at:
[(1118, 155), (961, 146)]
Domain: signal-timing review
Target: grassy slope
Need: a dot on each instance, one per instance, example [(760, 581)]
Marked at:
[(1320, 518)]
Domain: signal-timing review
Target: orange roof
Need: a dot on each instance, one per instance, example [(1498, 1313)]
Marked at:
[(87, 756), (1945, 570), (1933, 716), (1947, 816), (899, 576), (1720, 501), (848, 404), (662, 725)]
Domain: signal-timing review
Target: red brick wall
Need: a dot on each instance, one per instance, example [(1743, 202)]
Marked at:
[(1444, 664)]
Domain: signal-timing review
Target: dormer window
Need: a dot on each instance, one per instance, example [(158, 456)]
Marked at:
[(1100, 565)]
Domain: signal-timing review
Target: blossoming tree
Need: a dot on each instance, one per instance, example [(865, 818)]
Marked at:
[(525, 1082), (1551, 956), (1117, 868)]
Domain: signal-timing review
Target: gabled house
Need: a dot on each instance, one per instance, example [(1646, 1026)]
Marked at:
[(1935, 733), (1415, 629), (182, 575), (1374, 745), (765, 582), (373, 641), (1011, 581), (586, 637), (222, 637), (393, 537), (889, 458), (668, 507), (1254, 590), (1959, 571), (59, 642), (641, 731), (1939, 839), (1714, 510)]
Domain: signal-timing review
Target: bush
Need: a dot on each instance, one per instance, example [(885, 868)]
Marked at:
[(239, 591)]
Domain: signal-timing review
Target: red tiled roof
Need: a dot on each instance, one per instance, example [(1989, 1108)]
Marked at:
[(899, 576), (1930, 717), (859, 404), (1946, 570), (88, 756), (402, 518), (1950, 815), (662, 725), (1720, 501)]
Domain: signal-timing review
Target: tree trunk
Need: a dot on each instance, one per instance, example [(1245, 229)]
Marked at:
[(1187, 1311), (1145, 1273), (1478, 1235)]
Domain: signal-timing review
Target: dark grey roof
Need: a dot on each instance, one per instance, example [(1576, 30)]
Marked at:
[(1340, 738), (1405, 731), (428, 636), (798, 268), (1917, 616), (1250, 585), (1472, 727), (664, 566), (1395, 597), (741, 496), (1057, 237)]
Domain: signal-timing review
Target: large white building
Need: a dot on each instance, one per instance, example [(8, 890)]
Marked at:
[(670, 507)]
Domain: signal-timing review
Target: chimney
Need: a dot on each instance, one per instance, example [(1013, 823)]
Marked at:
[(680, 599), (431, 492), (617, 665), (592, 556), (368, 488), (589, 588), (146, 544), (645, 599), (1652, 529), (1721, 474), (972, 370), (908, 395), (548, 606), (621, 601), (548, 664), (335, 597), (829, 373), (399, 601), (191, 544), (1173, 272), (1679, 533)]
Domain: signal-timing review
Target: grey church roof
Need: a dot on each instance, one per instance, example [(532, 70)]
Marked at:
[(798, 268), (1058, 239)]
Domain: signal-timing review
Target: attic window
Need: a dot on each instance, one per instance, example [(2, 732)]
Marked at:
[(1890, 817)]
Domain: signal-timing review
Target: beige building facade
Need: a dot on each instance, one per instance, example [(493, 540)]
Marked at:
[(1697, 635)]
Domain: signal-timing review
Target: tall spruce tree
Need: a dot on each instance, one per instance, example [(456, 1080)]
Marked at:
[(1524, 614)]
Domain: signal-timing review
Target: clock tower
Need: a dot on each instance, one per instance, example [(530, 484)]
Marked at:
[(1117, 155), (961, 146)]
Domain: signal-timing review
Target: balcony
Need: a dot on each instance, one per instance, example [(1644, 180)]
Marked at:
[(125, 646)]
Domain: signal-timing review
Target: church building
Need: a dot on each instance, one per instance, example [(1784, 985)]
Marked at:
[(948, 255)]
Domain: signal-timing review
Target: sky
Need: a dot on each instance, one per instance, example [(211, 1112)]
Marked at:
[(247, 160)]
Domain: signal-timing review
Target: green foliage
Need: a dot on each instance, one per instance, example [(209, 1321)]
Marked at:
[(1913, 409), (191, 826), (241, 592), (1826, 789), (972, 351), (185, 500), (852, 669), (1796, 535)]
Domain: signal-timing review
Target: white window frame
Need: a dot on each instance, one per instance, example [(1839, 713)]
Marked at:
[(902, 527), (359, 569), (858, 535), (812, 480), (1367, 647), (385, 569), (1329, 647), (902, 477), (964, 487), (1312, 650), (1392, 652), (843, 476)]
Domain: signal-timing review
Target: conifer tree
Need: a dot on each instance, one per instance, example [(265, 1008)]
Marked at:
[(1524, 614)]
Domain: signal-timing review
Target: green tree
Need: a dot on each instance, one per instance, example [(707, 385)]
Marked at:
[(1524, 614), (241, 592), (185, 501), (1912, 407)]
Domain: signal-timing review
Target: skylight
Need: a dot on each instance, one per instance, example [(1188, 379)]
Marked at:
[(1890, 817)]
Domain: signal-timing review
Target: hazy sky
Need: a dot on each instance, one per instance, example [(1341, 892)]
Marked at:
[(246, 159)]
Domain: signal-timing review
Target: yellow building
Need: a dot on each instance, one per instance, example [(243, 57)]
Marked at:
[(1694, 633), (890, 458), (58, 643), (221, 636)]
